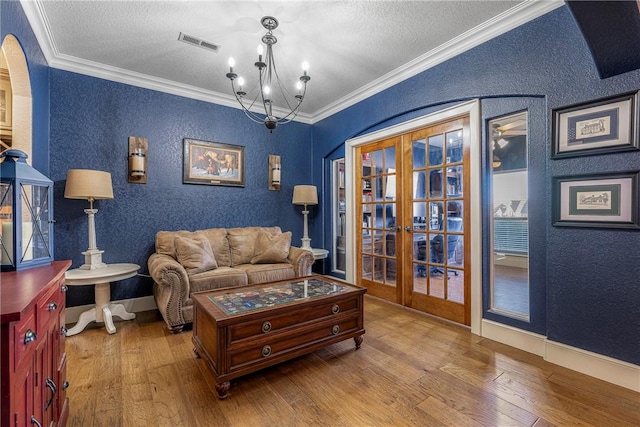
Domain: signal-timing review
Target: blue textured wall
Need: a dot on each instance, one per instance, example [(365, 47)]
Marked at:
[(91, 121), (585, 283)]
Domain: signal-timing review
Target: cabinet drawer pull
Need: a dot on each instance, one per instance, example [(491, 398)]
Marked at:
[(266, 326), (64, 288), (335, 309), (54, 389), (65, 384), (53, 306), (29, 336), (63, 331), (52, 385), (34, 421), (266, 351), (335, 330)]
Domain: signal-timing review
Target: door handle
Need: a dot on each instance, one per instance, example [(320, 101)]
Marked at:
[(407, 229)]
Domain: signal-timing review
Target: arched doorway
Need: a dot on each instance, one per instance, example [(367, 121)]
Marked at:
[(18, 104)]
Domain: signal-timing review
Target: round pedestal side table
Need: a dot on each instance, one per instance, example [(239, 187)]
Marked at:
[(104, 309)]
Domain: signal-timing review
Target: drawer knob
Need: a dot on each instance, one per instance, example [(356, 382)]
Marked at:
[(63, 331), (29, 336), (64, 288), (335, 309), (335, 329), (266, 351), (65, 384), (266, 326), (53, 306)]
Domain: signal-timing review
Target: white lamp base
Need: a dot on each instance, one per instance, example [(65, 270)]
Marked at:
[(92, 260), (306, 243)]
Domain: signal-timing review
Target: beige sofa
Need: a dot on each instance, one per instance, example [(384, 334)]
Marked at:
[(192, 261)]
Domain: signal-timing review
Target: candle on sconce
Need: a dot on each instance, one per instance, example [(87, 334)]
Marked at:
[(136, 162), (275, 180)]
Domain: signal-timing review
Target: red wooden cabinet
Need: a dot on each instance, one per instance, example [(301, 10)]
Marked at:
[(33, 373)]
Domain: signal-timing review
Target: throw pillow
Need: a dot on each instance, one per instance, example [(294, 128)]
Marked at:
[(272, 249), (195, 254)]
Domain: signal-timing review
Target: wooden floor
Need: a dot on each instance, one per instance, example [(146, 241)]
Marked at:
[(412, 370)]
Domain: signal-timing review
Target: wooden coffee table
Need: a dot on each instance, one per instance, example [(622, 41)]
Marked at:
[(241, 330)]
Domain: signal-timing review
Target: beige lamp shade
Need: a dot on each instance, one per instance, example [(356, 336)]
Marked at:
[(305, 195), (88, 185)]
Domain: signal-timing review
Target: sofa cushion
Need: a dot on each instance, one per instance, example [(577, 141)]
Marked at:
[(222, 277), (242, 242), (270, 249), (195, 254), (263, 273), (220, 245), (165, 241)]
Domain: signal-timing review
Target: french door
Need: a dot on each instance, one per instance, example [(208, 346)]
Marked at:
[(413, 219)]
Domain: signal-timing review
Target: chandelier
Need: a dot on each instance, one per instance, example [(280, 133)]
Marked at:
[(268, 83)]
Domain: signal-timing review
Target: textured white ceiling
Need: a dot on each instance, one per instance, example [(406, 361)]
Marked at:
[(355, 48)]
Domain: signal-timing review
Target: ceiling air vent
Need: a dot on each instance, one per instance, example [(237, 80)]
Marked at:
[(197, 42)]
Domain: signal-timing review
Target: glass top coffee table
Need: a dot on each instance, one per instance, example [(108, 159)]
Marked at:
[(241, 330)]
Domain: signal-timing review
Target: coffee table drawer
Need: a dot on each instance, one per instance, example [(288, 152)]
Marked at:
[(271, 323), (280, 346)]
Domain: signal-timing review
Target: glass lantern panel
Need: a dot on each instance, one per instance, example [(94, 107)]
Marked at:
[(6, 219), (35, 222)]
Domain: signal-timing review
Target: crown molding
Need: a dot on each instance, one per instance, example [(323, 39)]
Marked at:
[(506, 21)]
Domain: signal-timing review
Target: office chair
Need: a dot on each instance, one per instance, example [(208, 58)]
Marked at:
[(437, 246)]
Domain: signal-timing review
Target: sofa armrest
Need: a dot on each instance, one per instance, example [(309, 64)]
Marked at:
[(171, 287), (302, 260)]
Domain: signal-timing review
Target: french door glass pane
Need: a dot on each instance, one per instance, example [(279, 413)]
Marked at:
[(454, 181), (435, 183), (454, 146), (436, 143)]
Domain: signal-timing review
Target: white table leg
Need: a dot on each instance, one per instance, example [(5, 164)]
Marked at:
[(103, 296), (84, 319), (120, 311), (108, 320)]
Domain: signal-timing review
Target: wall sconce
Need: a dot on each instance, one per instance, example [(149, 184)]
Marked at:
[(138, 160), (274, 172)]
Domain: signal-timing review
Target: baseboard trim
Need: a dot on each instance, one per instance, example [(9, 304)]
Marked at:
[(605, 368), (524, 340), (133, 305)]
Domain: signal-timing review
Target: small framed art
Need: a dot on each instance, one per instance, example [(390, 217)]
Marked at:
[(213, 163), (605, 126), (603, 201)]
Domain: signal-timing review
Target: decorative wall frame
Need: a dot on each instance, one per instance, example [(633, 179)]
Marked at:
[(602, 201), (213, 163), (604, 126)]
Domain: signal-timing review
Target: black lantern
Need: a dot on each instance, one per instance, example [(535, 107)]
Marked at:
[(26, 214)]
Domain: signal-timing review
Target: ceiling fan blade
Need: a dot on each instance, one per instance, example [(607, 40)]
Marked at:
[(511, 125)]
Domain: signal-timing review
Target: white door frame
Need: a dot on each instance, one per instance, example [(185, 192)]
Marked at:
[(470, 108)]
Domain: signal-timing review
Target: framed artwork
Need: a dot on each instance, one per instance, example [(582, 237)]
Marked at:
[(213, 163), (605, 126), (603, 201)]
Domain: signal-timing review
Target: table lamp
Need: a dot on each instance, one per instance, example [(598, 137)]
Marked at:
[(305, 195), (89, 185)]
